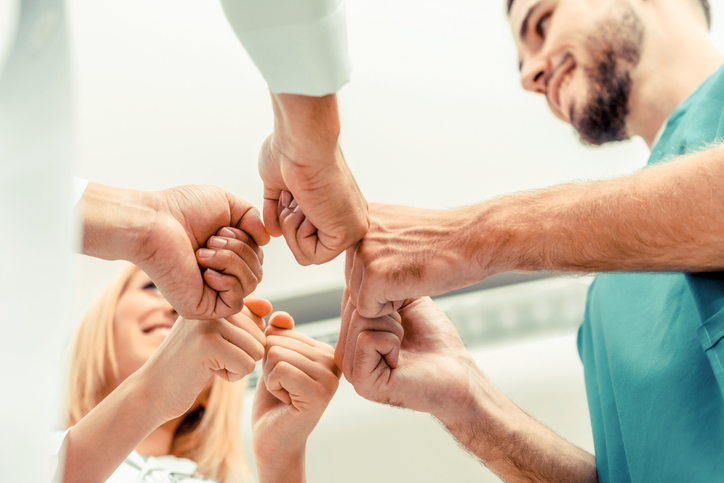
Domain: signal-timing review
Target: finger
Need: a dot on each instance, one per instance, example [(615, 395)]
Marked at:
[(248, 324), (298, 342), (257, 308), (227, 291), (271, 219), (277, 354), (294, 334), (354, 271), (361, 324), (286, 381), (347, 311), (247, 218), (244, 334), (372, 364), (290, 219), (231, 232), (281, 320), (371, 308), (230, 361), (349, 262), (245, 252), (229, 263)]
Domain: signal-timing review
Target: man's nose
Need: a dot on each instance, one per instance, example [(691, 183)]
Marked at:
[(534, 73)]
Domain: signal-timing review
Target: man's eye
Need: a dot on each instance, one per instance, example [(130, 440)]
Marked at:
[(542, 25)]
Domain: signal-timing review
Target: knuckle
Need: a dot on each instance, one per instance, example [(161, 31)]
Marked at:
[(249, 365), (257, 351), (274, 354)]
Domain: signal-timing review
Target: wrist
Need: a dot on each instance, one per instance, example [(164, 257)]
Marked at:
[(306, 127), (492, 238), (140, 390), (281, 467), (116, 222), (482, 419)]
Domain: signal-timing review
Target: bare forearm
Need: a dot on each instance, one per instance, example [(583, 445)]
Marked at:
[(281, 468), (308, 126), (114, 221), (664, 218), (96, 446), (515, 446)]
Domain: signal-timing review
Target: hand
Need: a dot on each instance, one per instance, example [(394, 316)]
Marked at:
[(303, 168), (407, 253), (164, 233), (298, 380), (413, 358), (196, 350)]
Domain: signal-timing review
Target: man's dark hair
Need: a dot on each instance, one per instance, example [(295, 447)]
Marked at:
[(704, 4)]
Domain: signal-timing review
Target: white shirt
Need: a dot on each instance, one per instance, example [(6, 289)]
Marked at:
[(138, 468), (299, 46)]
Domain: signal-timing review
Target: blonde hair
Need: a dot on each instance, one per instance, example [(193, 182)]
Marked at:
[(210, 435)]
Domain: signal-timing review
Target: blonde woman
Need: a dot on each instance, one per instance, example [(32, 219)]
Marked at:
[(144, 404)]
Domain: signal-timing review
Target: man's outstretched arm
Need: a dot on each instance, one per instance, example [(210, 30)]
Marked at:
[(664, 218), (415, 359)]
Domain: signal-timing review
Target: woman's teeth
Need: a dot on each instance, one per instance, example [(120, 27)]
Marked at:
[(160, 331)]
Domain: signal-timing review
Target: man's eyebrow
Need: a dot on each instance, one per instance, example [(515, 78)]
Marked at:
[(524, 26), (510, 5)]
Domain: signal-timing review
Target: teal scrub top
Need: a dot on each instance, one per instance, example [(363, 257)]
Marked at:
[(652, 346)]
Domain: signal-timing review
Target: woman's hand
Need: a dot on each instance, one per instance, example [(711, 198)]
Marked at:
[(196, 350), (299, 378)]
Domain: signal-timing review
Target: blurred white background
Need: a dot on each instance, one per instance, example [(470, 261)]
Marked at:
[(434, 117)]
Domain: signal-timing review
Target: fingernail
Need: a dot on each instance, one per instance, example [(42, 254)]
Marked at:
[(293, 204), (217, 242), (286, 198), (213, 273), (206, 253), (227, 233)]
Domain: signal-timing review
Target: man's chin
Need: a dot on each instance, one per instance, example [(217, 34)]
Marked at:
[(593, 133)]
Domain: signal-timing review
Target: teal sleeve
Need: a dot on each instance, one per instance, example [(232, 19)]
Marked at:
[(299, 46)]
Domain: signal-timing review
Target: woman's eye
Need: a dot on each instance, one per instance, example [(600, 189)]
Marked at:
[(151, 287), (542, 25)]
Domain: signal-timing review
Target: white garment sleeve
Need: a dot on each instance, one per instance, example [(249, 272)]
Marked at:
[(300, 46), (77, 190)]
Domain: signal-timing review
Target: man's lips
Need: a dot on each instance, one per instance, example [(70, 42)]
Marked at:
[(553, 86)]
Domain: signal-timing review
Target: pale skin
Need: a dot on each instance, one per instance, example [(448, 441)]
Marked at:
[(165, 234), (302, 166), (662, 218), (414, 358), (164, 377), (299, 378)]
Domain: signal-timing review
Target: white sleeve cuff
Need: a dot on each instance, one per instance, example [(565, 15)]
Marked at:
[(300, 48), (77, 190)]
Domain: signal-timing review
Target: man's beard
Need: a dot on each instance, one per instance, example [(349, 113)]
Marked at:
[(616, 50)]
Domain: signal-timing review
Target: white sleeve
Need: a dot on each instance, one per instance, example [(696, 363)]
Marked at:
[(300, 46), (77, 190)]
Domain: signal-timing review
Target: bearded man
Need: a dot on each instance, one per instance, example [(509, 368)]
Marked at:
[(652, 340)]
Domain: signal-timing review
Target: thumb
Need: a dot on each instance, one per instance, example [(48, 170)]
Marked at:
[(246, 217)]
